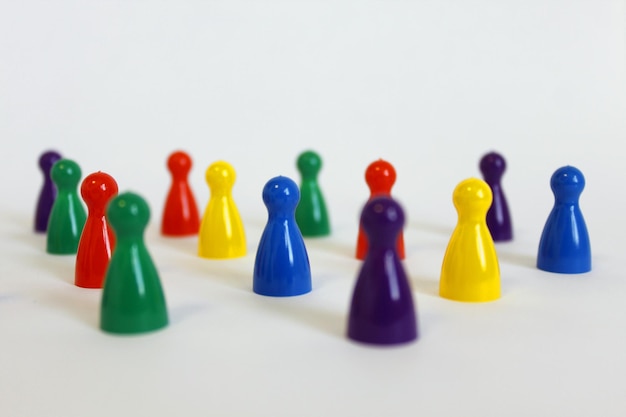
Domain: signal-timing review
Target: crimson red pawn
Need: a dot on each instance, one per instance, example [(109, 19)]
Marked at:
[(180, 216), (97, 239), (380, 177)]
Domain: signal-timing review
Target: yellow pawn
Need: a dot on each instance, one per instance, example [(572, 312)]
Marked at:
[(470, 270), (221, 231)]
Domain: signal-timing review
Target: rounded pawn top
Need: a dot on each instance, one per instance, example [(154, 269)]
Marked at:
[(220, 175), (309, 163), (567, 183), (380, 176), (128, 214), (492, 166), (65, 173), (281, 194), (48, 159), (97, 189), (382, 219), (179, 163), (472, 196)]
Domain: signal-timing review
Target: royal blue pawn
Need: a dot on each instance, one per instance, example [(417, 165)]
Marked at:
[(382, 310), (564, 245), (281, 268), (492, 166), (48, 192)]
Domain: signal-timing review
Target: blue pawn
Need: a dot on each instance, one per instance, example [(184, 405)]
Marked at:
[(281, 267), (564, 245)]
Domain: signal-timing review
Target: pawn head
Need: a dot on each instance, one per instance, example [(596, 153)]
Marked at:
[(97, 189), (179, 163), (47, 160), (380, 176), (281, 194), (492, 166), (65, 173), (309, 163), (472, 197), (220, 175), (567, 183), (382, 219), (128, 214)]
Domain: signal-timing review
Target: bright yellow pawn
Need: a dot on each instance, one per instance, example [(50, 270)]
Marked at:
[(221, 231), (470, 270)]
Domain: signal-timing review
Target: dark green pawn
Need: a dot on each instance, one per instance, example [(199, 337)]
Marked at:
[(67, 216), (132, 297), (311, 214)]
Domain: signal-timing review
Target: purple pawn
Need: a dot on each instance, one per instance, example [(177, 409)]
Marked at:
[(382, 310), (48, 192), (493, 166)]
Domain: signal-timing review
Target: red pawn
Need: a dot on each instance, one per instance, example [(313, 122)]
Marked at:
[(180, 216), (97, 240), (380, 176)]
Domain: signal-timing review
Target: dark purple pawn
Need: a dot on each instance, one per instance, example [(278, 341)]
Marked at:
[(382, 310), (493, 166), (48, 192)]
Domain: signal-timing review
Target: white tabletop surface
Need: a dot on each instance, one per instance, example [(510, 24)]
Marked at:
[(428, 85)]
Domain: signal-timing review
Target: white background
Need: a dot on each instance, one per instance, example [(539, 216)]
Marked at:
[(428, 85)]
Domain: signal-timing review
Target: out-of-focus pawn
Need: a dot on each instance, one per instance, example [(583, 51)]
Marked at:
[(281, 267), (470, 270), (564, 246), (97, 240), (48, 192), (221, 232), (132, 298), (311, 213), (380, 176), (180, 215), (492, 166), (68, 215), (382, 310)]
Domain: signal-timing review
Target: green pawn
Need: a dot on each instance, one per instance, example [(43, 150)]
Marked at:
[(67, 216), (311, 214), (132, 297)]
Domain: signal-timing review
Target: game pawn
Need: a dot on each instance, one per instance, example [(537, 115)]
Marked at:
[(470, 270), (180, 215), (380, 176), (564, 246), (221, 232), (132, 298), (492, 166), (68, 215), (281, 267), (48, 192), (311, 213), (97, 240), (382, 310)]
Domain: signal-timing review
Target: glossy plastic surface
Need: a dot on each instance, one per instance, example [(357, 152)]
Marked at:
[(180, 215), (492, 166), (48, 191), (311, 213), (97, 240), (221, 232), (564, 246), (281, 267), (132, 298), (470, 270), (382, 310), (68, 215), (380, 176)]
